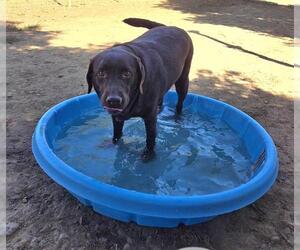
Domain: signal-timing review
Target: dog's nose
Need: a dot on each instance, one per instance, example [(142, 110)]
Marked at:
[(114, 100)]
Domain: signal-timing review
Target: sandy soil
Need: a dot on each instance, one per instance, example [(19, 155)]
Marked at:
[(243, 55)]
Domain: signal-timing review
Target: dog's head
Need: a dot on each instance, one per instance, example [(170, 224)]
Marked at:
[(116, 74)]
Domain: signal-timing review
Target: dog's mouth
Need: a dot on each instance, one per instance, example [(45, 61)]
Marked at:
[(113, 110)]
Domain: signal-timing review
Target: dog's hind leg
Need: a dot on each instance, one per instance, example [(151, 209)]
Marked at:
[(181, 89), (182, 84)]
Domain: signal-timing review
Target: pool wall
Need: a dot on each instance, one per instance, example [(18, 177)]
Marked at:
[(157, 210)]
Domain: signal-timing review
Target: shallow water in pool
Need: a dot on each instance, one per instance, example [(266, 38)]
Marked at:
[(194, 154)]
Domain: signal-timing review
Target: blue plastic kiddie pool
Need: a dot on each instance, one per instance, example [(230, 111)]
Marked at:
[(212, 160)]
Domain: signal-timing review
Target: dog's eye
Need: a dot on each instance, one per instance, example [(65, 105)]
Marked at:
[(126, 75), (101, 74)]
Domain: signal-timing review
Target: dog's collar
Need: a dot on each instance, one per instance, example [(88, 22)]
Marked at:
[(139, 61)]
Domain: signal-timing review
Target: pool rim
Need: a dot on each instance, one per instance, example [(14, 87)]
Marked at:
[(162, 206)]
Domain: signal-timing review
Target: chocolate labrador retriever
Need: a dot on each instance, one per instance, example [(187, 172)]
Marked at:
[(131, 78)]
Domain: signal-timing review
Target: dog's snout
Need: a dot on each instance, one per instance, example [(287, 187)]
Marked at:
[(114, 100)]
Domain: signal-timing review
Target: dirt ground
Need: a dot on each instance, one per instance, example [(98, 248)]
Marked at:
[(243, 55)]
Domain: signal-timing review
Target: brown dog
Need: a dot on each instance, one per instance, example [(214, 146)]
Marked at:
[(132, 78)]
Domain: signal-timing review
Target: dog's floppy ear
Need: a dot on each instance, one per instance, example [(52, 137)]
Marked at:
[(89, 76), (143, 74)]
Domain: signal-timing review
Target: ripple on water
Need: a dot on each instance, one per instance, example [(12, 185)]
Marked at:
[(195, 154)]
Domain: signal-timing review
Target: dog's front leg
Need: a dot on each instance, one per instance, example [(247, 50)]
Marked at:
[(150, 125), (118, 128)]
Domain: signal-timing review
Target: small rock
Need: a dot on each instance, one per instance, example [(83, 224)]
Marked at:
[(263, 246), (127, 247), (266, 101), (63, 236), (11, 227), (46, 229), (129, 240), (80, 220), (62, 242), (275, 238), (25, 200), (102, 240), (34, 242), (121, 233)]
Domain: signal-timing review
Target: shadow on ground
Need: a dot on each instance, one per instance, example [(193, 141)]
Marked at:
[(241, 49), (259, 16), (47, 216)]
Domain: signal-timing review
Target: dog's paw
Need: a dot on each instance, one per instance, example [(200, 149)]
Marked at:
[(115, 140), (116, 137), (147, 155)]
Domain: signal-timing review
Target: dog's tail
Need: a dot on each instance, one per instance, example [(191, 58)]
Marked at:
[(139, 22)]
